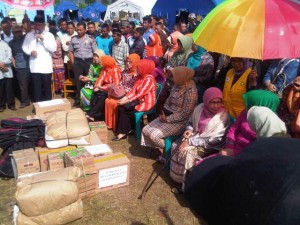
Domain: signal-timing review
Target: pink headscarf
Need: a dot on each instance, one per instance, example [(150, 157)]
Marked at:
[(206, 115)]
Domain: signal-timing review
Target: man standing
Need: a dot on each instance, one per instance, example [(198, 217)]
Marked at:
[(163, 37), (81, 51), (62, 27), (92, 30), (105, 41), (21, 64), (120, 49), (66, 39), (147, 21), (6, 78), (7, 35), (39, 45)]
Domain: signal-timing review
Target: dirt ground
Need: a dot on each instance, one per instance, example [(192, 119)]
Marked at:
[(119, 206)]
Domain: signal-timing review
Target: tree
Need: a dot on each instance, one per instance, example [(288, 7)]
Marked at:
[(88, 2)]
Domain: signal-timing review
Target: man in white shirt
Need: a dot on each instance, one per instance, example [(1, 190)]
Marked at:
[(7, 35), (39, 45), (65, 40)]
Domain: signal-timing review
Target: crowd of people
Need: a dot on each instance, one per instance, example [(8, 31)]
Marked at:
[(214, 105)]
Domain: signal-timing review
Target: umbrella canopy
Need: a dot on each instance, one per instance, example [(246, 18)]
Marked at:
[(258, 29), (30, 4)]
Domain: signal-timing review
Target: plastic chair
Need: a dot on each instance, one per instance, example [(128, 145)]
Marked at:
[(138, 115)]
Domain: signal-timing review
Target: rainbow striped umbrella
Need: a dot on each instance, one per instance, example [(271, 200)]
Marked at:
[(258, 29)]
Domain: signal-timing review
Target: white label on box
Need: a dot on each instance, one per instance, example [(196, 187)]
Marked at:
[(98, 149), (51, 102), (113, 176)]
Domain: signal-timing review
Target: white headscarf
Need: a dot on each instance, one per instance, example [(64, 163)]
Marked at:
[(265, 122)]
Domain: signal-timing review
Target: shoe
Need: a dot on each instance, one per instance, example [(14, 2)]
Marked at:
[(119, 139), (23, 105), (161, 159), (13, 108), (2, 109), (76, 103)]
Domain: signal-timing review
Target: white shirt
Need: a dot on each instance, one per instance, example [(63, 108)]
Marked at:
[(43, 62), (64, 39), (8, 38), (5, 57)]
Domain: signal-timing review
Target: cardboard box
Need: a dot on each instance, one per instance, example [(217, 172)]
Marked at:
[(101, 129), (99, 150), (113, 171), (44, 152), (56, 160), (51, 106), (80, 158), (26, 161), (94, 140)]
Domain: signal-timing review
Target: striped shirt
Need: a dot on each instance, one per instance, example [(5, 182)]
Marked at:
[(143, 89), (111, 76), (119, 53)]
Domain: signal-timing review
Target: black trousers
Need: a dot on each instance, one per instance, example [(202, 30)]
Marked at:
[(7, 96), (23, 77), (125, 122), (80, 68), (97, 110), (41, 83)]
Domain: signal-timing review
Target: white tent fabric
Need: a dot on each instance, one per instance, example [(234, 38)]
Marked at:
[(142, 7)]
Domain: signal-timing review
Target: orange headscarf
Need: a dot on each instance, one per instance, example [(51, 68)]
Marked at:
[(156, 49), (107, 62), (135, 58), (145, 67)]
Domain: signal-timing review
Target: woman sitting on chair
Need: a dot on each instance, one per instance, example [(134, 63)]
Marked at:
[(176, 111), (110, 74), (129, 76), (204, 134), (140, 98), (87, 91)]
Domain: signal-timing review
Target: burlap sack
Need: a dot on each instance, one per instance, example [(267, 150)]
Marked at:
[(47, 192), (62, 216), (77, 124)]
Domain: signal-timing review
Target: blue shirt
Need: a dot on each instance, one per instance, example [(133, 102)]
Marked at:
[(147, 34), (105, 44)]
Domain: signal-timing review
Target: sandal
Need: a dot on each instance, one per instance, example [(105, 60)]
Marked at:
[(161, 159)]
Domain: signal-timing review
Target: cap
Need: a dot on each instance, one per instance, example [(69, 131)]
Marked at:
[(17, 28), (192, 16)]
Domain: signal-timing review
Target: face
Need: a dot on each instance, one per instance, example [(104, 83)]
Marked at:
[(175, 28), (183, 27), (91, 28), (63, 26), (104, 32), (39, 27), (80, 31), (96, 59), (128, 63), (146, 25), (6, 28), (215, 105), (116, 38), (17, 34), (136, 35), (124, 30), (237, 64), (158, 29), (71, 29)]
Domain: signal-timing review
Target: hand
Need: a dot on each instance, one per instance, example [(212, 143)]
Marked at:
[(96, 89), (162, 117), (39, 37), (2, 65), (187, 133), (34, 54), (226, 152), (85, 79), (271, 87), (123, 101), (252, 76)]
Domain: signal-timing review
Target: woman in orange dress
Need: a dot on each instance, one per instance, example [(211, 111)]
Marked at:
[(127, 81)]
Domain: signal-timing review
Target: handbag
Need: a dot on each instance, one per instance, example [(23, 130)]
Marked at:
[(116, 91)]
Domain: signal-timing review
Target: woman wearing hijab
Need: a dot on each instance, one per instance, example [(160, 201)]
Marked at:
[(174, 47), (240, 79), (203, 64), (128, 78), (240, 135), (110, 74), (87, 91), (265, 123), (140, 98), (176, 111), (158, 72), (154, 47), (203, 136)]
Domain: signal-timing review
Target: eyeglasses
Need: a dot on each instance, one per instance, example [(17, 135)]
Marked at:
[(215, 102)]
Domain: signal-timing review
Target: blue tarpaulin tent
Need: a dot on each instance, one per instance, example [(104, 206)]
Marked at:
[(67, 10), (93, 11), (169, 8)]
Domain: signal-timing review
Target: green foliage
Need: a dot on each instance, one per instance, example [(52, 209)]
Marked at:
[(88, 2), (56, 2), (82, 5)]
